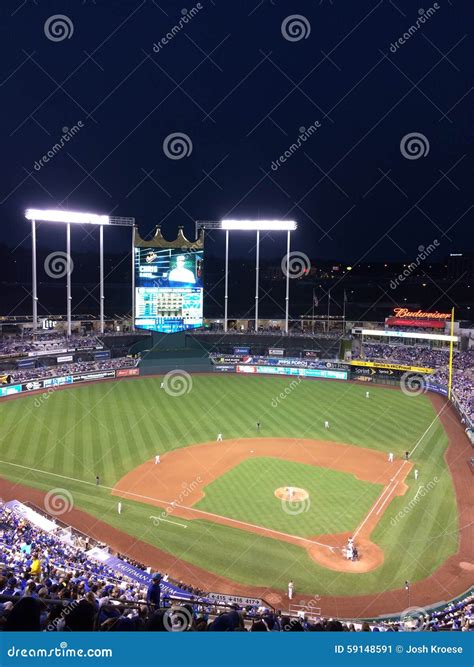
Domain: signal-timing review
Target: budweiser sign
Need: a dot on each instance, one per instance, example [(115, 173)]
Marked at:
[(420, 314)]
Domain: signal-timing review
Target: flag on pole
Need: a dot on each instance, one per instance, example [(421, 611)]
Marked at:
[(315, 300), (345, 296)]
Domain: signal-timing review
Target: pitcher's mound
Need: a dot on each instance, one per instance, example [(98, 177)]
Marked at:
[(291, 494)]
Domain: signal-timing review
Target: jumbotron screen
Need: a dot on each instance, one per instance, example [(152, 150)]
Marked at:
[(168, 289)]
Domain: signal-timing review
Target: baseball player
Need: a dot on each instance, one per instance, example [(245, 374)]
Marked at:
[(97, 480), (326, 424), (119, 508), (258, 426), (290, 590), (157, 459), (367, 394), (416, 473), (219, 437), (407, 456), (162, 385), (291, 492), (390, 457)]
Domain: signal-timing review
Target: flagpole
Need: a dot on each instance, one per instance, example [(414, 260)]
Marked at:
[(344, 313), (312, 319), (329, 306), (450, 380)]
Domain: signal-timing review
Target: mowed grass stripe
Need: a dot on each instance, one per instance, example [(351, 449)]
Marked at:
[(388, 421)]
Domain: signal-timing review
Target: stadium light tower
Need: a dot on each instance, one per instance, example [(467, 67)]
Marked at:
[(75, 217), (258, 226)]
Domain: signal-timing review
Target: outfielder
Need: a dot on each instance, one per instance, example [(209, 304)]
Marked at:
[(367, 394), (326, 424)]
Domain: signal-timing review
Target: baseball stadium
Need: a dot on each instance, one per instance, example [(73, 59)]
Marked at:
[(311, 473)]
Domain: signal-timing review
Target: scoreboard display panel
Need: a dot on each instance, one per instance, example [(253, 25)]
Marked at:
[(168, 289)]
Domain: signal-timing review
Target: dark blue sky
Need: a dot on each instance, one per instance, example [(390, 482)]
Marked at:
[(242, 86)]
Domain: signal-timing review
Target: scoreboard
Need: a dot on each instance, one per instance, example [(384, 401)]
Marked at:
[(168, 289)]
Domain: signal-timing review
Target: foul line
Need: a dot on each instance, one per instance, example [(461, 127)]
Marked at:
[(434, 420), (388, 489), (176, 523), (172, 504)]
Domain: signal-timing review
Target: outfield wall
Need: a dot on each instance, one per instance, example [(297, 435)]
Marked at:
[(50, 383)]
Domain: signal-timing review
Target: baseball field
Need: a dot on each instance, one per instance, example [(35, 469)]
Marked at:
[(223, 508)]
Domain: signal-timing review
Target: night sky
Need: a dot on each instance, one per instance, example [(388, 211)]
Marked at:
[(242, 81)]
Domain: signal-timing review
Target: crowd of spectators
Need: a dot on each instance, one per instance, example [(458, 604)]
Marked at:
[(41, 343), (49, 584), (437, 359), (25, 374)]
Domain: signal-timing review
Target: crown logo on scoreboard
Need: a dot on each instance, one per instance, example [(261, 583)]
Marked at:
[(180, 242)]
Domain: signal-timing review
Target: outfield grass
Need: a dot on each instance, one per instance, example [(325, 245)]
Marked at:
[(110, 428), (337, 501)]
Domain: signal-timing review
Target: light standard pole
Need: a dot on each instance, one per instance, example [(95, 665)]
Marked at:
[(33, 271)]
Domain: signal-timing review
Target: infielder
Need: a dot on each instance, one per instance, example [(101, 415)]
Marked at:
[(157, 459), (416, 473), (390, 457), (219, 437), (119, 508)]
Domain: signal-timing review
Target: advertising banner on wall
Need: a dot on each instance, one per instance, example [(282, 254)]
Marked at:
[(328, 374), (127, 372), (95, 375), (394, 367)]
